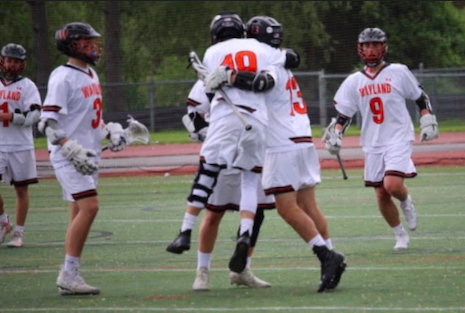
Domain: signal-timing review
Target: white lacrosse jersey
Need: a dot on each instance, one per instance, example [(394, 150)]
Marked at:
[(381, 102), (288, 121), (20, 94), (74, 99), (242, 55), (197, 100)]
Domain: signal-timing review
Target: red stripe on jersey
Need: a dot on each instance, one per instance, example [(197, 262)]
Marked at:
[(51, 108), (301, 139)]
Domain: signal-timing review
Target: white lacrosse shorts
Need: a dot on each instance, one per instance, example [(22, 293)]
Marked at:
[(226, 194), (18, 167), (395, 158), (229, 144), (291, 170), (73, 183)]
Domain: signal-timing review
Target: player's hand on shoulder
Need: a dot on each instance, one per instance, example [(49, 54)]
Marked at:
[(79, 157), (32, 116), (196, 126), (219, 77), (332, 138), (429, 127), (116, 135)]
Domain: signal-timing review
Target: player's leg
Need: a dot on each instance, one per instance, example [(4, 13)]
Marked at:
[(23, 171), (5, 226), (399, 166), (207, 237), (81, 193), (201, 189), (374, 177)]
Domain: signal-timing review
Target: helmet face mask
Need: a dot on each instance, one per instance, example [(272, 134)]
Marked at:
[(12, 61), (226, 26), (265, 29), (372, 46), (80, 41)]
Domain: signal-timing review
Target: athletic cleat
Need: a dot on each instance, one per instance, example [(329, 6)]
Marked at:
[(5, 229), (331, 265), (337, 278), (238, 261), (402, 240), (181, 243), (202, 280), (410, 213), (16, 241), (247, 278), (71, 283)]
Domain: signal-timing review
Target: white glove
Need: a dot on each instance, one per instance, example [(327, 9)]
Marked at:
[(429, 127), (117, 138), (18, 118), (332, 138), (79, 156), (32, 116), (219, 77), (200, 135)]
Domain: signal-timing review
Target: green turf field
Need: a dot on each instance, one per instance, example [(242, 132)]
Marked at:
[(125, 254)]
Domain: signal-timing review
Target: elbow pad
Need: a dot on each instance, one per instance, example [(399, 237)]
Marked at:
[(254, 82), (52, 130), (424, 103), (292, 59)]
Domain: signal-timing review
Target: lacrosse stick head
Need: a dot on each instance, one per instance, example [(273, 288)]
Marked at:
[(198, 66), (136, 132)]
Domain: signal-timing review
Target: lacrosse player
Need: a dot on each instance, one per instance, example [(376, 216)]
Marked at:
[(73, 123), (378, 92), (292, 168), (242, 69), (225, 197), (20, 110)]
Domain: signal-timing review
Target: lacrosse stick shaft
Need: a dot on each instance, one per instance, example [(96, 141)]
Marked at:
[(344, 175)]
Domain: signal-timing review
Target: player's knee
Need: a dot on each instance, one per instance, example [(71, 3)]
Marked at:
[(204, 182)]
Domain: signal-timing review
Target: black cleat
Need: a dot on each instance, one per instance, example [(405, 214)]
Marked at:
[(332, 267), (238, 261), (337, 278), (181, 243)]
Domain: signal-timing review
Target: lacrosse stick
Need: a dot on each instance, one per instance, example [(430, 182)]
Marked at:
[(344, 175), (135, 132), (202, 73)]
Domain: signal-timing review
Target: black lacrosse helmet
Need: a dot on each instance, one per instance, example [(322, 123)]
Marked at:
[(13, 51), (226, 26), (265, 29), (68, 38), (372, 35)]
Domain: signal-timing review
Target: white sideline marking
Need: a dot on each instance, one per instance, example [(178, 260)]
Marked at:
[(257, 269), (187, 309)]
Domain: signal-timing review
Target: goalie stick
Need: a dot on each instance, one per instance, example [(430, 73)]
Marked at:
[(135, 132), (202, 73)]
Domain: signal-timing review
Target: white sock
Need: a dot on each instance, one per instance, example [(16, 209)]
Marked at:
[(188, 222), (249, 261), (4, 218), (71, 263), (316, 241), (246, 225), (329, 244), (203, 259), (406, 201), (398, 229), (19, 229)]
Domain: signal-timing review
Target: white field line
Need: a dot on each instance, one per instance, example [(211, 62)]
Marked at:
[(242, 309), (258, 269)]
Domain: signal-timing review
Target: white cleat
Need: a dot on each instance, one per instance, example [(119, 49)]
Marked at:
[(16, 241), (247, 278), (410, 213), (5, 228), (402, 241), (202, 280), (71, 283)]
